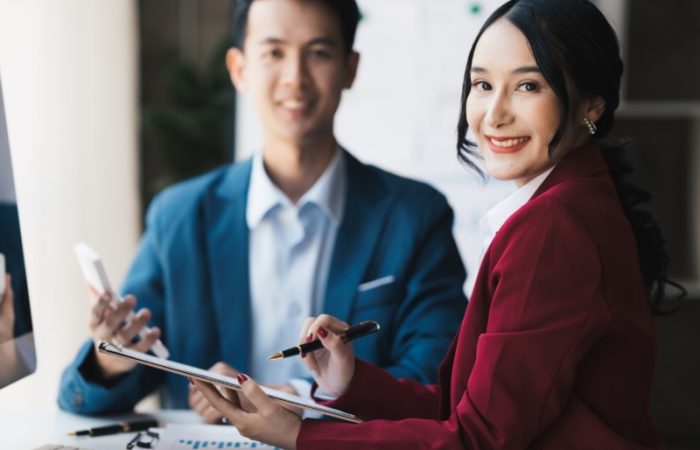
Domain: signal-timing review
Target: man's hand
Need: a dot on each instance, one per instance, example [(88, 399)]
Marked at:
[(199, 403), (107, 324)]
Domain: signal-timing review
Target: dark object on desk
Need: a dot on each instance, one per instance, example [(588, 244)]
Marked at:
[(121, 427), (145, 439), (59, 447), (354, 332)]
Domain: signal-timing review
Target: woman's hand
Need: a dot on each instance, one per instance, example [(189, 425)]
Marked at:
[(265, 421), (107, 324), (334, 365)]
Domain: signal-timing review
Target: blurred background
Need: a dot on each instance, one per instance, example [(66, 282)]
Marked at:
[(110, 101)]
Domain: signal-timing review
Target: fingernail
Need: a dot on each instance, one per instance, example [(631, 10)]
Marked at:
[(190, 380), (309, 337), (241, 378), (322, 332)]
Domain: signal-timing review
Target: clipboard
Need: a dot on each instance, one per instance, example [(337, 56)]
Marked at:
[(228, 382)]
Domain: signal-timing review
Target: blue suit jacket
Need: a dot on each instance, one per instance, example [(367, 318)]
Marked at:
[(191, 271)]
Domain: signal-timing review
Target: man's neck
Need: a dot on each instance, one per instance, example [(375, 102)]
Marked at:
[(294, 168)]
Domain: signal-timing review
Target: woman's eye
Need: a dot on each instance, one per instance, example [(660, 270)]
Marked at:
[(528, 86), (481, 85)]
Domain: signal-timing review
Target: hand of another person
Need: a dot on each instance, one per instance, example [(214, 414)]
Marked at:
[(288, 389), (107, 324), (334, 365), (265, 421), (201, 406), (199, 403), (7, 312)]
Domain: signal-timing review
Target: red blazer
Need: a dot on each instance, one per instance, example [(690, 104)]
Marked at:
[(556, 349)]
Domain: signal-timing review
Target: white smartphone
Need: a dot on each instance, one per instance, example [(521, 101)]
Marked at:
[(2, 277), (96, 276)]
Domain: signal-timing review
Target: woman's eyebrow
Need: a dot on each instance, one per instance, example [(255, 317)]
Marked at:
[(524, 69), (527, 69)]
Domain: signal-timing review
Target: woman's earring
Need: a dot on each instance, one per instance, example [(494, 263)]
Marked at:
[(591, 126)]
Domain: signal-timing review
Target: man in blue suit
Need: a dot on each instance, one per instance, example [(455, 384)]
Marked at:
[(233, 261)]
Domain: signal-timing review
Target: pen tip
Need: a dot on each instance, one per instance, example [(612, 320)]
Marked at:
[(71, 433), (277, 355)]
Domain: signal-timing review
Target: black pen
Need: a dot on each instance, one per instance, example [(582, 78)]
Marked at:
[(348, 334), (121, 427)]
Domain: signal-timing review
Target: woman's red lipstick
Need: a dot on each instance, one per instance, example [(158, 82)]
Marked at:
[(507, 144)]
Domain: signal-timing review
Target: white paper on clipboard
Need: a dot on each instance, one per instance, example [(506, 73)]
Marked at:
[(211, 377)]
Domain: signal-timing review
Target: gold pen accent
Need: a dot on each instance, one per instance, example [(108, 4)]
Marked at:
[(277, 355), (348, 334), (284, 353)]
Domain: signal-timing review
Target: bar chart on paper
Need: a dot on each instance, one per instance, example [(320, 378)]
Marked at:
[(209, 437), (194, 444)]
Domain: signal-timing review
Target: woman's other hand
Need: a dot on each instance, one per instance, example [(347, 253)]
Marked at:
[(266, 421), (333, 366)]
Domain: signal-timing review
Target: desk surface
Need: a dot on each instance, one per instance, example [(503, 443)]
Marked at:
[(27, 430)]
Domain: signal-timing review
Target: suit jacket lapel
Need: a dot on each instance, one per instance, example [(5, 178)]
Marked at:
[(366, 207), (227, 242), (584, 161)]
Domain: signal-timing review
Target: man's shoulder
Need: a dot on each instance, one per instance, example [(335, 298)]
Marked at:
[(402, 187), (189, 193)]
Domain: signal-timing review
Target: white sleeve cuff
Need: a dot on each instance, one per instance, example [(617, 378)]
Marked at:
[(302, 386)]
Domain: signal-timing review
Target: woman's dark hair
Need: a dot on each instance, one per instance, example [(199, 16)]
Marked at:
[(346, 10), (572, 40)]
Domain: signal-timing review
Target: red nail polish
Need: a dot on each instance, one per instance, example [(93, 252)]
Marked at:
[(241, 378), (322, 332), (309, 337), (190, 380)]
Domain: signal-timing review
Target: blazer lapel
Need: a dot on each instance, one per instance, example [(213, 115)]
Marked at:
[(366, 207), (584, 161), (227, 242)]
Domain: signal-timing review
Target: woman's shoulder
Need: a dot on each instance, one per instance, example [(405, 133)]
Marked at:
[(586, 209)]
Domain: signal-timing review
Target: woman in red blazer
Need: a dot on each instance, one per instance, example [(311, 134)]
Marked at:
[(556, 350)]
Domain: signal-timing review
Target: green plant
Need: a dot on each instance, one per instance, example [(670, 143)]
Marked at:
[(190, 130)]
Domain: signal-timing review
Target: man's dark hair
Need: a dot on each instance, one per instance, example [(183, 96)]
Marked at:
[(347, 12)]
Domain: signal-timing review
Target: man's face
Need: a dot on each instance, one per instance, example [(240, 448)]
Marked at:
[(294, 68)]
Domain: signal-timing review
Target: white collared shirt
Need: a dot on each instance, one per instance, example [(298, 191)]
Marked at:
[(494, 219), (289, 256)]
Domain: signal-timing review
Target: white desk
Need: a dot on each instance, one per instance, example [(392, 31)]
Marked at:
[(26, 430)]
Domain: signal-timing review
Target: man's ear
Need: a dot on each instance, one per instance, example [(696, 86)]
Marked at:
[(235, 63), (353, 61), (594, 108)]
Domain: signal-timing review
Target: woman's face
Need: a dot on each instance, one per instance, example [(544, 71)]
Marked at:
[(511, 110)]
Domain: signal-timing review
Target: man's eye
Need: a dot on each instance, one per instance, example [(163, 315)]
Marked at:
[(321, 54), (274, 53)]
